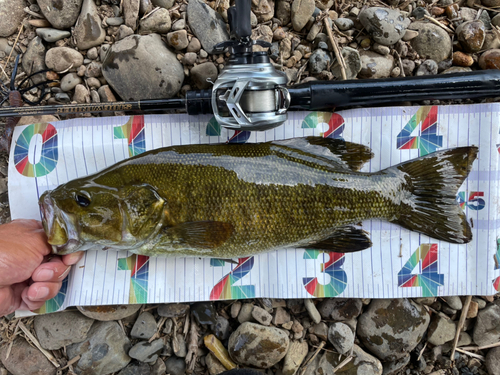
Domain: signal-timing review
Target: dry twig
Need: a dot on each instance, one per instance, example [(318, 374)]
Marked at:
[(338, 55), (343, 363), (480, 347), (312, 357), (13, 47), (192, 353), (33, 339), (446, 28), (474, 355), (465, 310)]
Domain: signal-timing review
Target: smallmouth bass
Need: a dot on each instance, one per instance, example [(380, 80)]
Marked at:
[(228, 201)]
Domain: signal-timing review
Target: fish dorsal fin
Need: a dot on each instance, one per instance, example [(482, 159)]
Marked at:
[(347, 239), (144, 209), (200, 234), (342, 154)]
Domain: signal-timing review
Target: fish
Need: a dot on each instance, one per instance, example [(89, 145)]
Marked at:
[(234, 200)]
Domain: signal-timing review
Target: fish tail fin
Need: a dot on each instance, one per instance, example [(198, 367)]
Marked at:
[(433, 181)]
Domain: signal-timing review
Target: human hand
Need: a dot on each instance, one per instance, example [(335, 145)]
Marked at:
[(29, 276)]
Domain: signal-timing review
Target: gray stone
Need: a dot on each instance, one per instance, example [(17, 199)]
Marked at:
[(200, 74), (179, 25), (92, 53), (158, 22), (123, 32), (213, 364), (428, 67), (353, 63), (167, 4), (178, 39), (88, 30), (131, 12), (441, 330), (147, 352), (62, 97), (105, 94), (471, 35), (109, 312), (246, 343), (136, 368), (145, 6), (175, 366), (432, 41), (374, 65), (493, 361), (82, 95), (393, 367), (318, 61), (34, 59), (261, 315), (25, 359), (94, 69), (294, 357), (151, 69), (386, 26), (60, 14), (172, 310), (11, 16), (453, 301), (344, 23), (94, 96), (144, 327), (283, 11), (104, 351), (189, 58), (62, 58), (159, 368), (69, 81), (341, 337), (51, 35), (392, 328), (380, 49), (302, 10), (420, 13), (363, 363), (194, 45), (281, 316), (206, 24), (115, 21), (263, 10), (487, 327), (222, 328), (104, 50), (312, 310), (180, 347), (340, 309)]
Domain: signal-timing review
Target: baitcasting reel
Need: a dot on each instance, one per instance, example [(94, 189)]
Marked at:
[(249, 94)]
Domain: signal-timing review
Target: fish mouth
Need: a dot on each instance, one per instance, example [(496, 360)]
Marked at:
[(58, 227)]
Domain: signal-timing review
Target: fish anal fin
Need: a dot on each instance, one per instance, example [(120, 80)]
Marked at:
[(347, 239), (200, 234)]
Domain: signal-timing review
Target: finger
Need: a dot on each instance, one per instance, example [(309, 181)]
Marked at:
[(53, 270), (40, 292), (72, 258), (28, 223), (10, 298)]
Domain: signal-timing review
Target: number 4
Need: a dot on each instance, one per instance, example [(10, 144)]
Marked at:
[(429, 279)]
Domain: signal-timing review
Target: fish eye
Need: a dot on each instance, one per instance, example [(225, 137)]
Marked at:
[(82, 199)]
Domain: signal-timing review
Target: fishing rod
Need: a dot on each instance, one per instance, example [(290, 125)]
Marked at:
[(250, 94)]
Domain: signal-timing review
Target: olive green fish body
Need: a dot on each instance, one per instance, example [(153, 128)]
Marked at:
[(228, 201)]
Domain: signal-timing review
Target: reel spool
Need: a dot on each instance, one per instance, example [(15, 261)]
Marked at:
[(249, 94)]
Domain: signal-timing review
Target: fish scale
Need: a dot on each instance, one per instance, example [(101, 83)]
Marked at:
[(226, 201)]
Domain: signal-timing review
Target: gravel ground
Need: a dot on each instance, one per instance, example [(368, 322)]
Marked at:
[(100, 51)]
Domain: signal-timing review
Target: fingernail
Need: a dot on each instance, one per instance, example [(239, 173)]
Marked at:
[(42, 292), (65, 273), (45, 274)]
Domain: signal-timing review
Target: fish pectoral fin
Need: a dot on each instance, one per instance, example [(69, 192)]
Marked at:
[(347, 239), (200, 234), (143, 207)]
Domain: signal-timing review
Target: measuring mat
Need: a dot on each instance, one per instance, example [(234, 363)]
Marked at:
[(400, 263)]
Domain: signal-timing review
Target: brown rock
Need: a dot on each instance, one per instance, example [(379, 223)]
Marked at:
[(473, 310), (25, 359), (491, 3), (452, 11), (178, 39), (471, 35), (263, 9), (437, 11), (39, 23), (490, 59), (131, 12), (462, 59)]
